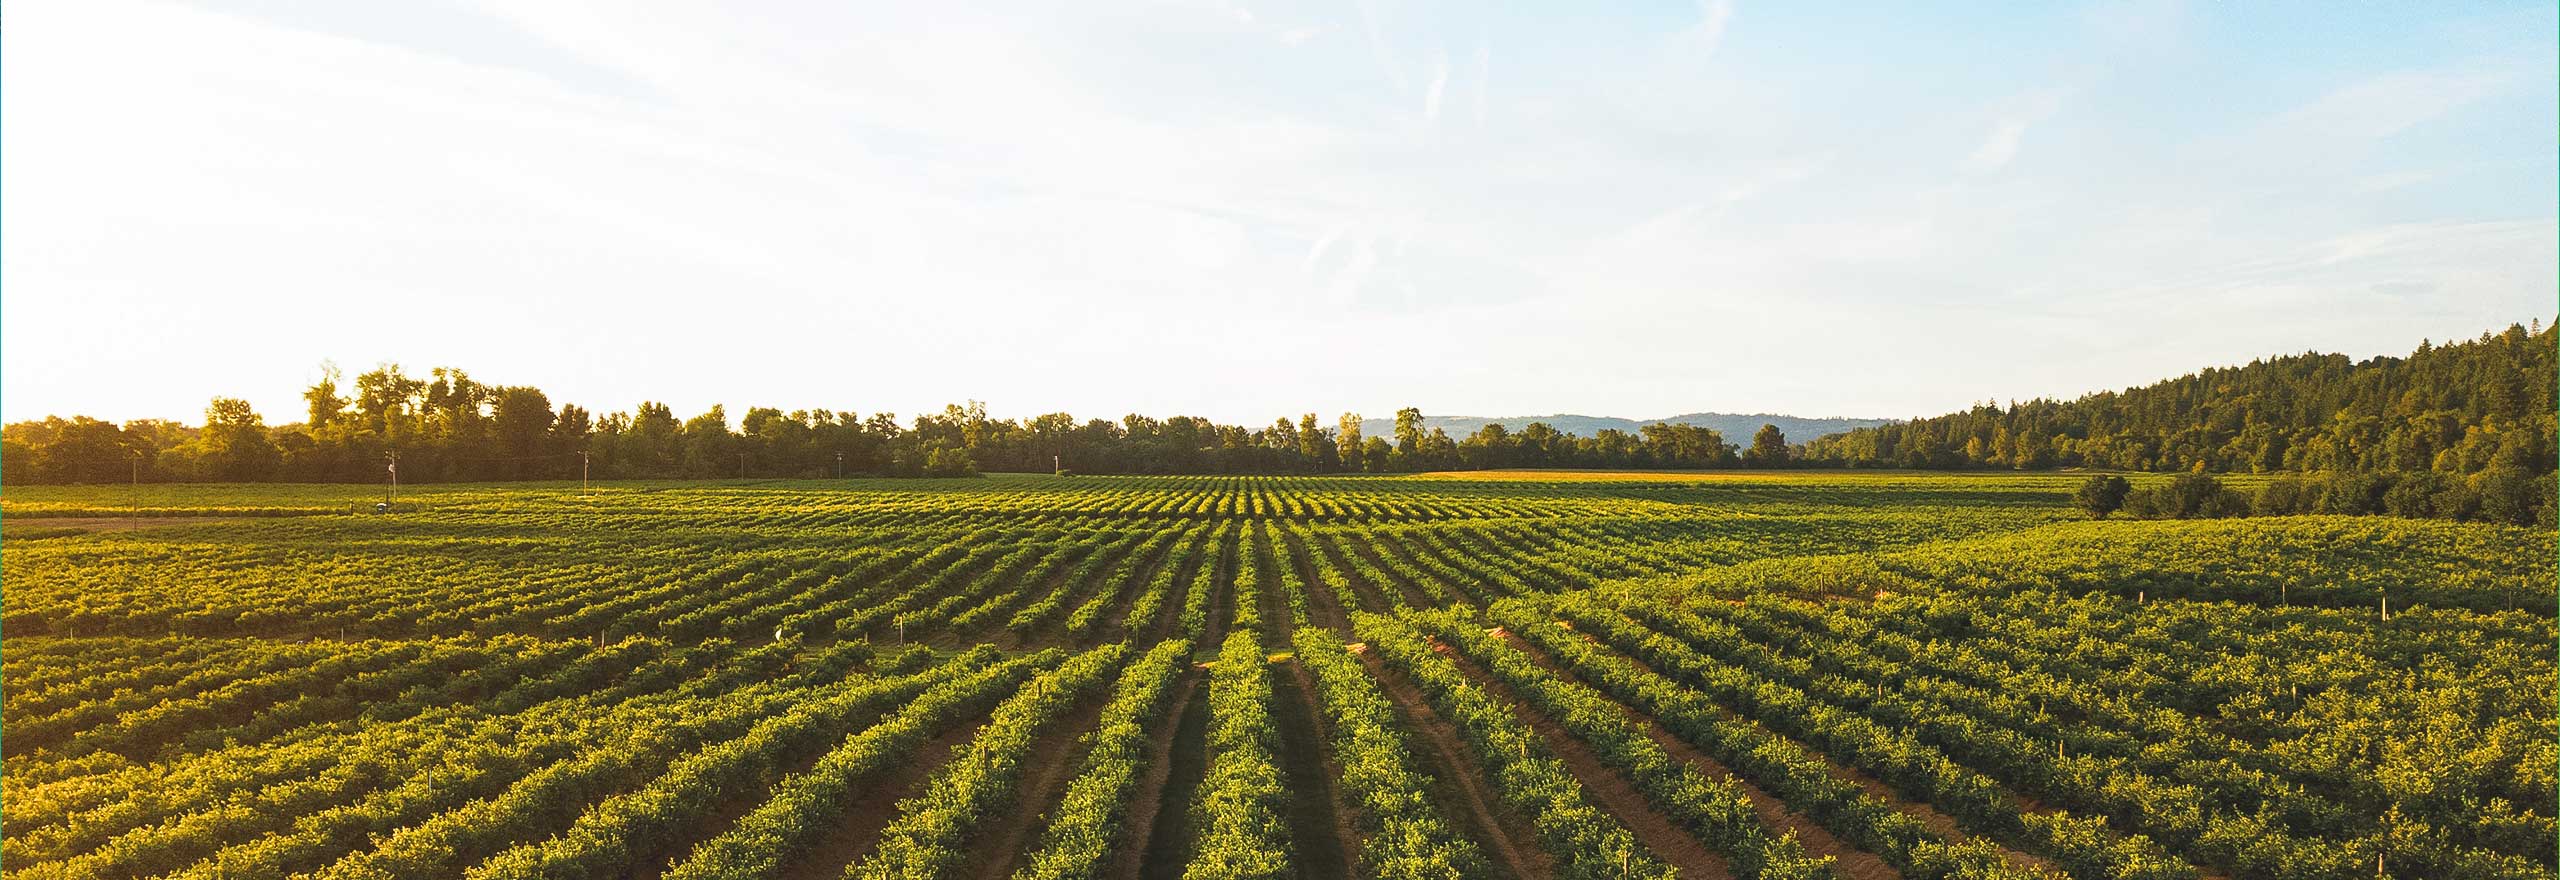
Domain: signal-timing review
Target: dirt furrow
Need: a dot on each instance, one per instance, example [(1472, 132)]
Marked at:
[(1157, 840), (1052, 760), (1459, 786), (876, 804), (1850, 861), (1320, 827), (1611, 790), (1323, 607)]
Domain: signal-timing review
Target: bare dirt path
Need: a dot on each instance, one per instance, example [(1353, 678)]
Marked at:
[(1371, 595), (1851, 862), (1157, 840), (1461, 789), (661, 855), (1118, 597), (876, 804), (1414, 594), (998, 849), (1323, 607), (1169, 618), (1320, 829), (1277, 622), (1613, 792)]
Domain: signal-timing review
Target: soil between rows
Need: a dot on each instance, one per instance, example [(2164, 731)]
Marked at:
[(1325, 843), (876, 804), (1158, 840), (1459, 787), (1659, 833), (1849, 861), (1049, 763)]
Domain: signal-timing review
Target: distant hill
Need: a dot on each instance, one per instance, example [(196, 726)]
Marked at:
[(1736, 428)]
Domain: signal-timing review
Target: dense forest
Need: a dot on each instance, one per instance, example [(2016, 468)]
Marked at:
[(2463, 409), (2460, 408)]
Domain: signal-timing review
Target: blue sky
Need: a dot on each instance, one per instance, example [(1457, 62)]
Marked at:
[(1247, 210)]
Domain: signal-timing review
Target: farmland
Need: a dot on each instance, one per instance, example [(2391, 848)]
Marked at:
[(1499, 674)]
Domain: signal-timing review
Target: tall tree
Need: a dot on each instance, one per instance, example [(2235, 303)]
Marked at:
[(1354, 448), (1768, 448), (1408, 429), (323, 400), (236, 448), (520, 422)]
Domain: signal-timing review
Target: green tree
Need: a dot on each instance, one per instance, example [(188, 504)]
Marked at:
[(1347, 436), (1768, 448), (520, 422), (1408, 430), (1376, 455), (949, 461), (709, 448), (326, 406), (1314, 445), (235, 443)]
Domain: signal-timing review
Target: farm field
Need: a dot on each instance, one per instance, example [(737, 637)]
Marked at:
[(1496, 674)]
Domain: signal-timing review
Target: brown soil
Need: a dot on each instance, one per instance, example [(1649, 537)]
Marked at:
[(1414, 594), (1116, 601), (1222, 602), (1156, 841), (1277, 625), (1320, 831), (1323, 607), (1458, 786), (661, 855), (994, 630), (876, 805), (1939, 822), (999, 848), (1169, 617), (1611, 791), (1371, 595), (1850, 862)]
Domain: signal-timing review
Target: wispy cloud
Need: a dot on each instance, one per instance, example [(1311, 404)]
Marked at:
[(1379, 49), (2385, 105), (1439, 86), (2002, 143), (1707, 34), (1484, 75), (1997, 148)]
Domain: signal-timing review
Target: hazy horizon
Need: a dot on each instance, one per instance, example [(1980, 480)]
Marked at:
[(1243, 211)]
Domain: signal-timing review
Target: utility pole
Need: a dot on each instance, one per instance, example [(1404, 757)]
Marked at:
[(134, 497), (583, 462), (742, 465), (391, 493), (839, 464)]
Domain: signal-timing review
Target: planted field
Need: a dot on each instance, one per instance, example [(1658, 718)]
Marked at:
[(1503, 675)]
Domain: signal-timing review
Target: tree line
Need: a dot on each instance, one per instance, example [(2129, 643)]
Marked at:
[(2463, 408), (447, 426)]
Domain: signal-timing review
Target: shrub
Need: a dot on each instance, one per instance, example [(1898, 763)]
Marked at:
[(2284, 496), (2102, 494)]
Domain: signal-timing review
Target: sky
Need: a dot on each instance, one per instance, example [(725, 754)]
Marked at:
[(1246, 210)]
